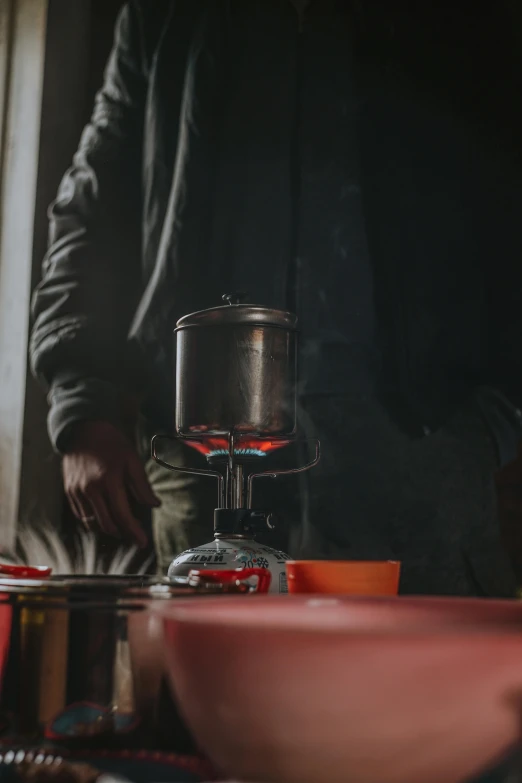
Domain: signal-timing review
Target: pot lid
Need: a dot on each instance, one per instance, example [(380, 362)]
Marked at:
[(93, 589), (236, 311), (105, 590)]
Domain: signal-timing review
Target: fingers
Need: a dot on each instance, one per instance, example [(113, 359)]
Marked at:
[(139, 484), (122, 514), (92, 511), (100, 484), (75, 508), (82, 510), (112, 515), (101, 511)]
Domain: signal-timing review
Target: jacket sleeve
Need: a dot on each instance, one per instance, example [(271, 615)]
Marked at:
[(91, 273)]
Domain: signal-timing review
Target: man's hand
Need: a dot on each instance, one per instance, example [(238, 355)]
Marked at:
[(102, 472)]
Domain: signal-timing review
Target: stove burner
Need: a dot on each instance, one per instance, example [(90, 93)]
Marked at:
[(237, 452), (246, 448)]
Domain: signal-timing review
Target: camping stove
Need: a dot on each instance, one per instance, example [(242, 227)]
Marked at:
[(236, 404)]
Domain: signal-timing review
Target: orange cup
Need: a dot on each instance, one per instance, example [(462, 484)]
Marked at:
[(343, 577)]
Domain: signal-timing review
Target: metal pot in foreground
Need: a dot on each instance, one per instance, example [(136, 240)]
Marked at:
[(81, 659)]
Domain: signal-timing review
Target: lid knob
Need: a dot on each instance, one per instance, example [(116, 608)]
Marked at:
[(234, 299)]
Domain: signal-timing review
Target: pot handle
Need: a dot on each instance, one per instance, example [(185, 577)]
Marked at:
[(236, 298), (287, 472), (264, 577), (194, 471)]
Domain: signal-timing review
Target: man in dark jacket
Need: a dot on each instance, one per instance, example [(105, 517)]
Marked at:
[(358, 163)]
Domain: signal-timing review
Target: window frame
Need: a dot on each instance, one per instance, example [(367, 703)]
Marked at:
[(23, 30)]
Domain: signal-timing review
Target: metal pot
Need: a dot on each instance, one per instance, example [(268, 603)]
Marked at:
[(81, 659), (236, 371)]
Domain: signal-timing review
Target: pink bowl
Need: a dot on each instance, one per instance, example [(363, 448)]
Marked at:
[(299, 689)]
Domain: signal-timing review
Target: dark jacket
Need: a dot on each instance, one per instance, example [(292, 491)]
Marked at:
[(360, 163)]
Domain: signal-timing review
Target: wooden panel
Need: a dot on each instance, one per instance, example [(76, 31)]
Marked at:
[(18, 186)]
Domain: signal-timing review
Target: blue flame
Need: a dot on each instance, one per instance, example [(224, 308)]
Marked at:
[(246, 452)]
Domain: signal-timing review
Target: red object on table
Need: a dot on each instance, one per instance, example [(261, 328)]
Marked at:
[(25, 572), (14, 572), (228, 576), (343, 577)]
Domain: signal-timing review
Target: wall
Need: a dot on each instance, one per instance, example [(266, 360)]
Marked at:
[(79, 37), (22, 44)]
